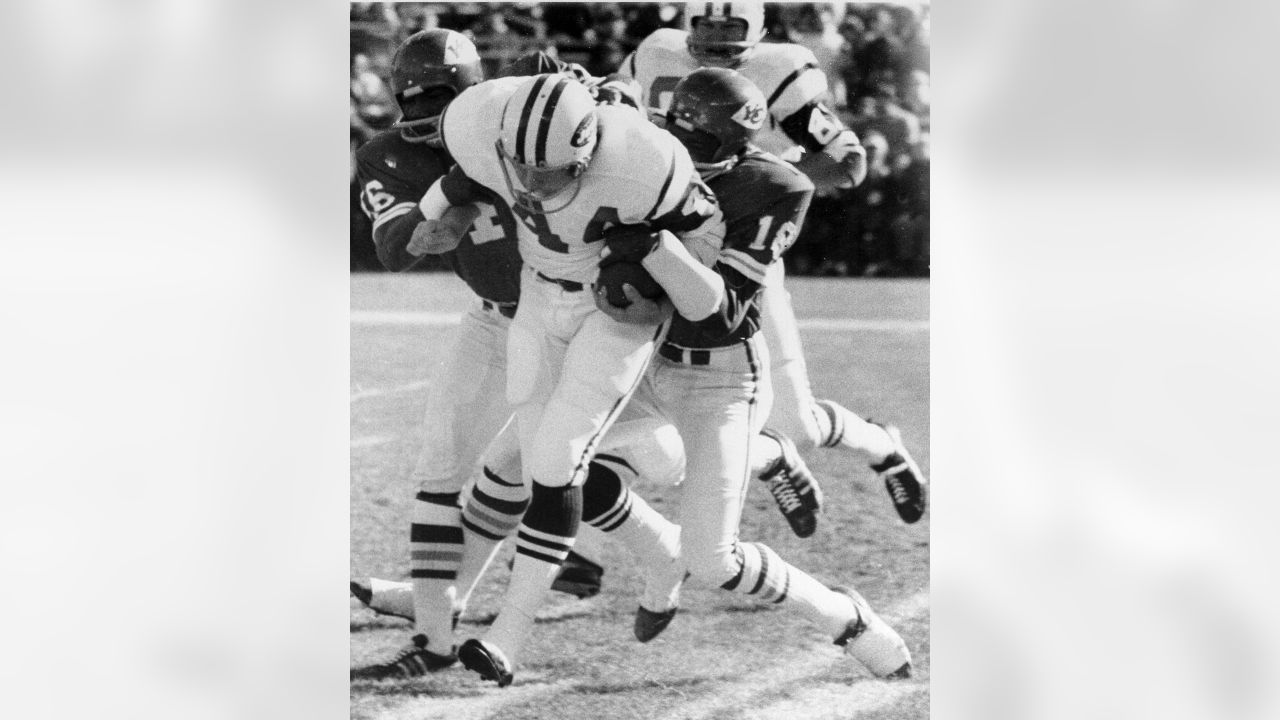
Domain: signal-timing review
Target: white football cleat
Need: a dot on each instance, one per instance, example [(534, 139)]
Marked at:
[(871, 641), (386, 597)]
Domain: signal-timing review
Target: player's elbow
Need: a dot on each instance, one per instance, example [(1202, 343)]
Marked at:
[(702, 306), (856, 165), (391, 248)]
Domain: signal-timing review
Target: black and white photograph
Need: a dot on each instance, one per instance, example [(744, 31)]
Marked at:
[(640, 360)]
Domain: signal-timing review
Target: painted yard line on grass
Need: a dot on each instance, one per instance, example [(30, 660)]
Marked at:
[(365, 393), (478, 707), (442, 319), (750, 695)]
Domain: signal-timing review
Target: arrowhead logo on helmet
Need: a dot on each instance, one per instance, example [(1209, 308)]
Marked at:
[(750, 115)]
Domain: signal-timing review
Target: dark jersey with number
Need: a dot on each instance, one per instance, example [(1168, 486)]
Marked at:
[(764, 201), (394, 174)]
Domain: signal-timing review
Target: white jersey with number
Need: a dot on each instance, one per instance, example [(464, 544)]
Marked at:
[(638, 174), (787, 74)]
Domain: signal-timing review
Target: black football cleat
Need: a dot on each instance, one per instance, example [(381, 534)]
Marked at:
[(414, 660), (650, 624), (793, 487), (486, 660), (578, 576), (902, 479)]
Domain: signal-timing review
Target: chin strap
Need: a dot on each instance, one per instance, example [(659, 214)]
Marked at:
[(709, 171)]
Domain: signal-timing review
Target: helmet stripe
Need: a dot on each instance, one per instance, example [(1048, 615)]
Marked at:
[(544, 125), (786, 82), (525, 112)]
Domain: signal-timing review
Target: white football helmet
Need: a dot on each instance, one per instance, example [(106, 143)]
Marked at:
[(722, 34), (548, 135)]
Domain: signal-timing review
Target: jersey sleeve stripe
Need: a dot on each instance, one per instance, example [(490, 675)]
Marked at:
[(632, 62), (744, 263), (393, 212), (544, 125), (662, 194), (525, 112), (786, 82)]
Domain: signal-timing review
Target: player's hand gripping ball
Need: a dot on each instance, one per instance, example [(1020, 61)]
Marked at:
[(625, 247), (614, 276)]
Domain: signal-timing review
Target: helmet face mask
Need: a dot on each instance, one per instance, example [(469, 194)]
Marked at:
[(715, 113), (532, 186), (546, 141), (420, 113), (430, 69), (723, 34)]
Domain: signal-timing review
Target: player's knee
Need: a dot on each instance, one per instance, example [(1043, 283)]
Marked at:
[(439, 485), (502, 456), (713, 565), (549, 467), (807, 427), (661, 457), (601, 491)]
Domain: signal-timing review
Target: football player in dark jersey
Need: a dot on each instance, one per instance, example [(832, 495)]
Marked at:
[(711, 380), (466, 406), (801, 129)]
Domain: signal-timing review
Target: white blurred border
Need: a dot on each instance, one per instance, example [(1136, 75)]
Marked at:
[(173, 307), (173, 304), (1104, 304)]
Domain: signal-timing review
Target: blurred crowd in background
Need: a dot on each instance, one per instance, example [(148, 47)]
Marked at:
[(875, 55)]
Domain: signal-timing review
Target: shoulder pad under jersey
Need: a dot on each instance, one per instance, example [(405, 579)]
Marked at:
[(470, 126), (787, 74), (638, 168)]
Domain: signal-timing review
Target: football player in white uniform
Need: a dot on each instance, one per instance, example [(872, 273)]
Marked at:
[(804, 131), (711, 380), (570, 170), (458, 506)]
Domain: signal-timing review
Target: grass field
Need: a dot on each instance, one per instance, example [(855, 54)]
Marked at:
[(724, 657)]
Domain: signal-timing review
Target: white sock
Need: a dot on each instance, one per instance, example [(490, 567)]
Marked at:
[(827, 608), (530, 580), (765, 451), (845, 429)]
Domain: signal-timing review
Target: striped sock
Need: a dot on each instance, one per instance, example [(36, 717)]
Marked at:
[(435, 550), (491, 510), (830, 417), (760, 572), (550, 523), (852, 432), (543, 540), (609, 505), (494, 505), (764, 574)]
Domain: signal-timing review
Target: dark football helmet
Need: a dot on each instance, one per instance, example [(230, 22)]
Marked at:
[(722, 34), (428, 71), (714, 113)]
